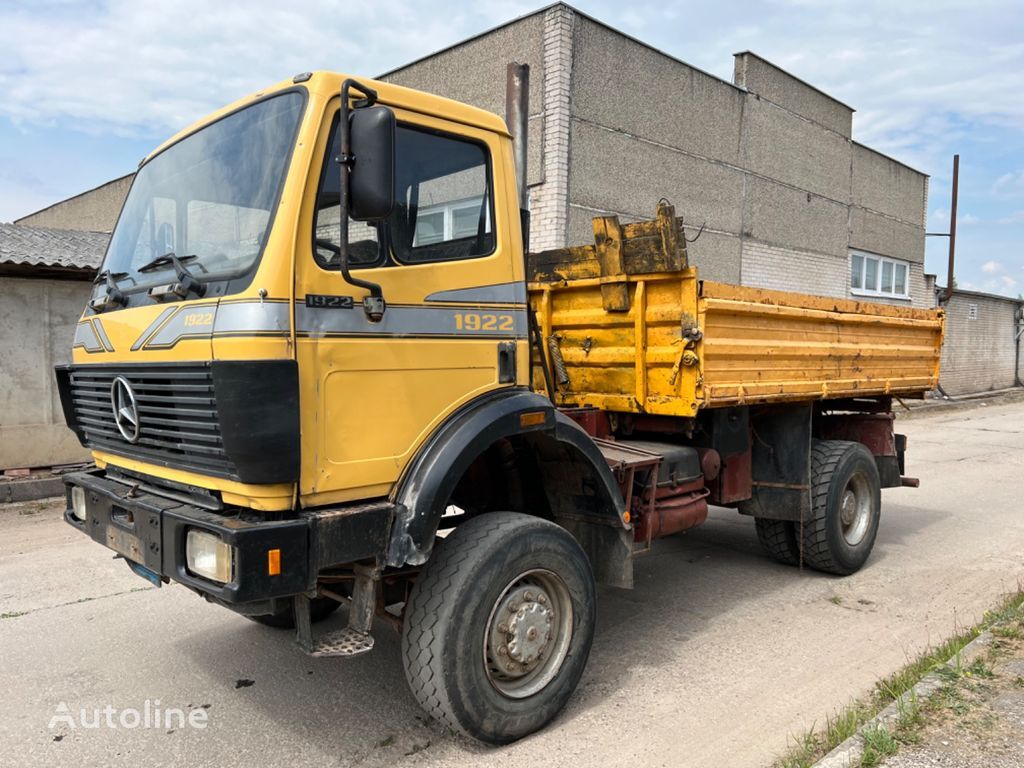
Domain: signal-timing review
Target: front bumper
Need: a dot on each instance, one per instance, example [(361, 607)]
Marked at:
[(150, 529)]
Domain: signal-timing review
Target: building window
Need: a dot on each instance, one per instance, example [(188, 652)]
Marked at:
[(450, 221), (972, 311), (872, 275)]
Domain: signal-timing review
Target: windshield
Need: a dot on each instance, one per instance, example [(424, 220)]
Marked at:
[(210, 196)]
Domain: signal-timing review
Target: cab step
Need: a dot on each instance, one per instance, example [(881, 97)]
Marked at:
[(353, 640), (341, 642)]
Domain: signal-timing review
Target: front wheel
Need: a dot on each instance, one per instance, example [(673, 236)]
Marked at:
[(846, 503), (499, 626)]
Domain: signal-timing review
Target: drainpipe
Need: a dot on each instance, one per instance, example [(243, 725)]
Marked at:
[(948, 294), (952, 226), (517, 115), (1018, 332)]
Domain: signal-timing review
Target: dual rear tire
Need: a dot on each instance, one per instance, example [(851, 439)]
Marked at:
[(846, 505)]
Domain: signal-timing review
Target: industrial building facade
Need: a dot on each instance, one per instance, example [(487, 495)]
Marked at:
[(766, 164)]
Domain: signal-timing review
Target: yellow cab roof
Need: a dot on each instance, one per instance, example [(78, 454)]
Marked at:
[(328, 84)]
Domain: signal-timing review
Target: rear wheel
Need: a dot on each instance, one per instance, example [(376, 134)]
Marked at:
[(499, 626), (779, 538), (846, 506)]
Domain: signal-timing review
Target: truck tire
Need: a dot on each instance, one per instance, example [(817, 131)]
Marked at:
[(779, 538), (499, 626), (284, 617), (846, 503)]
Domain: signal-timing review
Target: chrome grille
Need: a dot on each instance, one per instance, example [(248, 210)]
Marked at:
[(178, 425)]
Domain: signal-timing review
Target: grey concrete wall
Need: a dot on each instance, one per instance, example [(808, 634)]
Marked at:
[(92, 211), (978, 355), (889, 204), (755, 74), (37, 324), (766, 164)]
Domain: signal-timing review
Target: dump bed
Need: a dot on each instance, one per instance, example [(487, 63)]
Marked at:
[(628, 326)]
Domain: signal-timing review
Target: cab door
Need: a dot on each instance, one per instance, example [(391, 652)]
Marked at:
[(455, 325)]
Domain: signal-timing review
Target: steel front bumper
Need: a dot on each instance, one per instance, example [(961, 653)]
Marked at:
[(150, 529)]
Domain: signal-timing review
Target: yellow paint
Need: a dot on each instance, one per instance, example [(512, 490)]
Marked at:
[(269, 498), (369, 403), (757, 346)]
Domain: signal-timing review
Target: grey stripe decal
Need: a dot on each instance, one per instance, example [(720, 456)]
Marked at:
[(502, 293), (85, 337), (411, 321), (253, 317), (189, 322), (152, 327), (101, 332)]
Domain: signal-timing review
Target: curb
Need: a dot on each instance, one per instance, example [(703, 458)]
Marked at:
[(32, 489), (849, 752), (961, 403)]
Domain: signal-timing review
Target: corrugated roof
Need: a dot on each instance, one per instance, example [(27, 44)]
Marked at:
[(47, 247)]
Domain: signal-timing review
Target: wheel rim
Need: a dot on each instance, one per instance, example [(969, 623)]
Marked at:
[(528, 633), (855, 509)]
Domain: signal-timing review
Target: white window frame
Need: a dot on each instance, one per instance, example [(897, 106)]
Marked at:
[(877, 291), (449, 209)]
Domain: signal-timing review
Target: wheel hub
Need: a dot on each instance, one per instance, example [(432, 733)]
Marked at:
[(855, 509), (529, 632), (849, 509), (521, 631)]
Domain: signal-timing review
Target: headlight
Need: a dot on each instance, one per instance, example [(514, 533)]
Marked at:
[(78, 509), (207, 556)]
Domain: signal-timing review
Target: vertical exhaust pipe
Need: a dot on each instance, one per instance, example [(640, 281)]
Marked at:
[(517, 115)]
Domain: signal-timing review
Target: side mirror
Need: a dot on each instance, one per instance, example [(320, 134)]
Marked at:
[(372, 175)]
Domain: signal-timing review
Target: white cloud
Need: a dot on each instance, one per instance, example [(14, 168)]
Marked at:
[(1017, 217), (1009, 184), (967, 219), (991, 267), (126, 67)]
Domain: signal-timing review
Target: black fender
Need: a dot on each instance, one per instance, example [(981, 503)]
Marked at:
[(421, 494)]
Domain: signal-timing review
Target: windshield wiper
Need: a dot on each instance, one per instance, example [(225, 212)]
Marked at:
[(163, 261), (186, 282), (113, 297)]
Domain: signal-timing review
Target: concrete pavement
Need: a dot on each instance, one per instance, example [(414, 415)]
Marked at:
[(715, 658)]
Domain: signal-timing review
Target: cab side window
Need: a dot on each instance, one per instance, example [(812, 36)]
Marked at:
[(443, 205)]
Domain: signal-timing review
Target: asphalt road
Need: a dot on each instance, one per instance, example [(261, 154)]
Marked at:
[(715, 659)]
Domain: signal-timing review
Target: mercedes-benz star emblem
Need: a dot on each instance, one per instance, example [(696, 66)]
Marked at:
[(126, 412)]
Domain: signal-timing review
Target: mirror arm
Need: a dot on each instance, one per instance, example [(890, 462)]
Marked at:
[(374, 304)]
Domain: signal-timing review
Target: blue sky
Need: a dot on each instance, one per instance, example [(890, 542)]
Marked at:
[(88, 88)]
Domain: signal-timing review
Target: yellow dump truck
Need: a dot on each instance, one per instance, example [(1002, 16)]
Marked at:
[(317, 368)]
